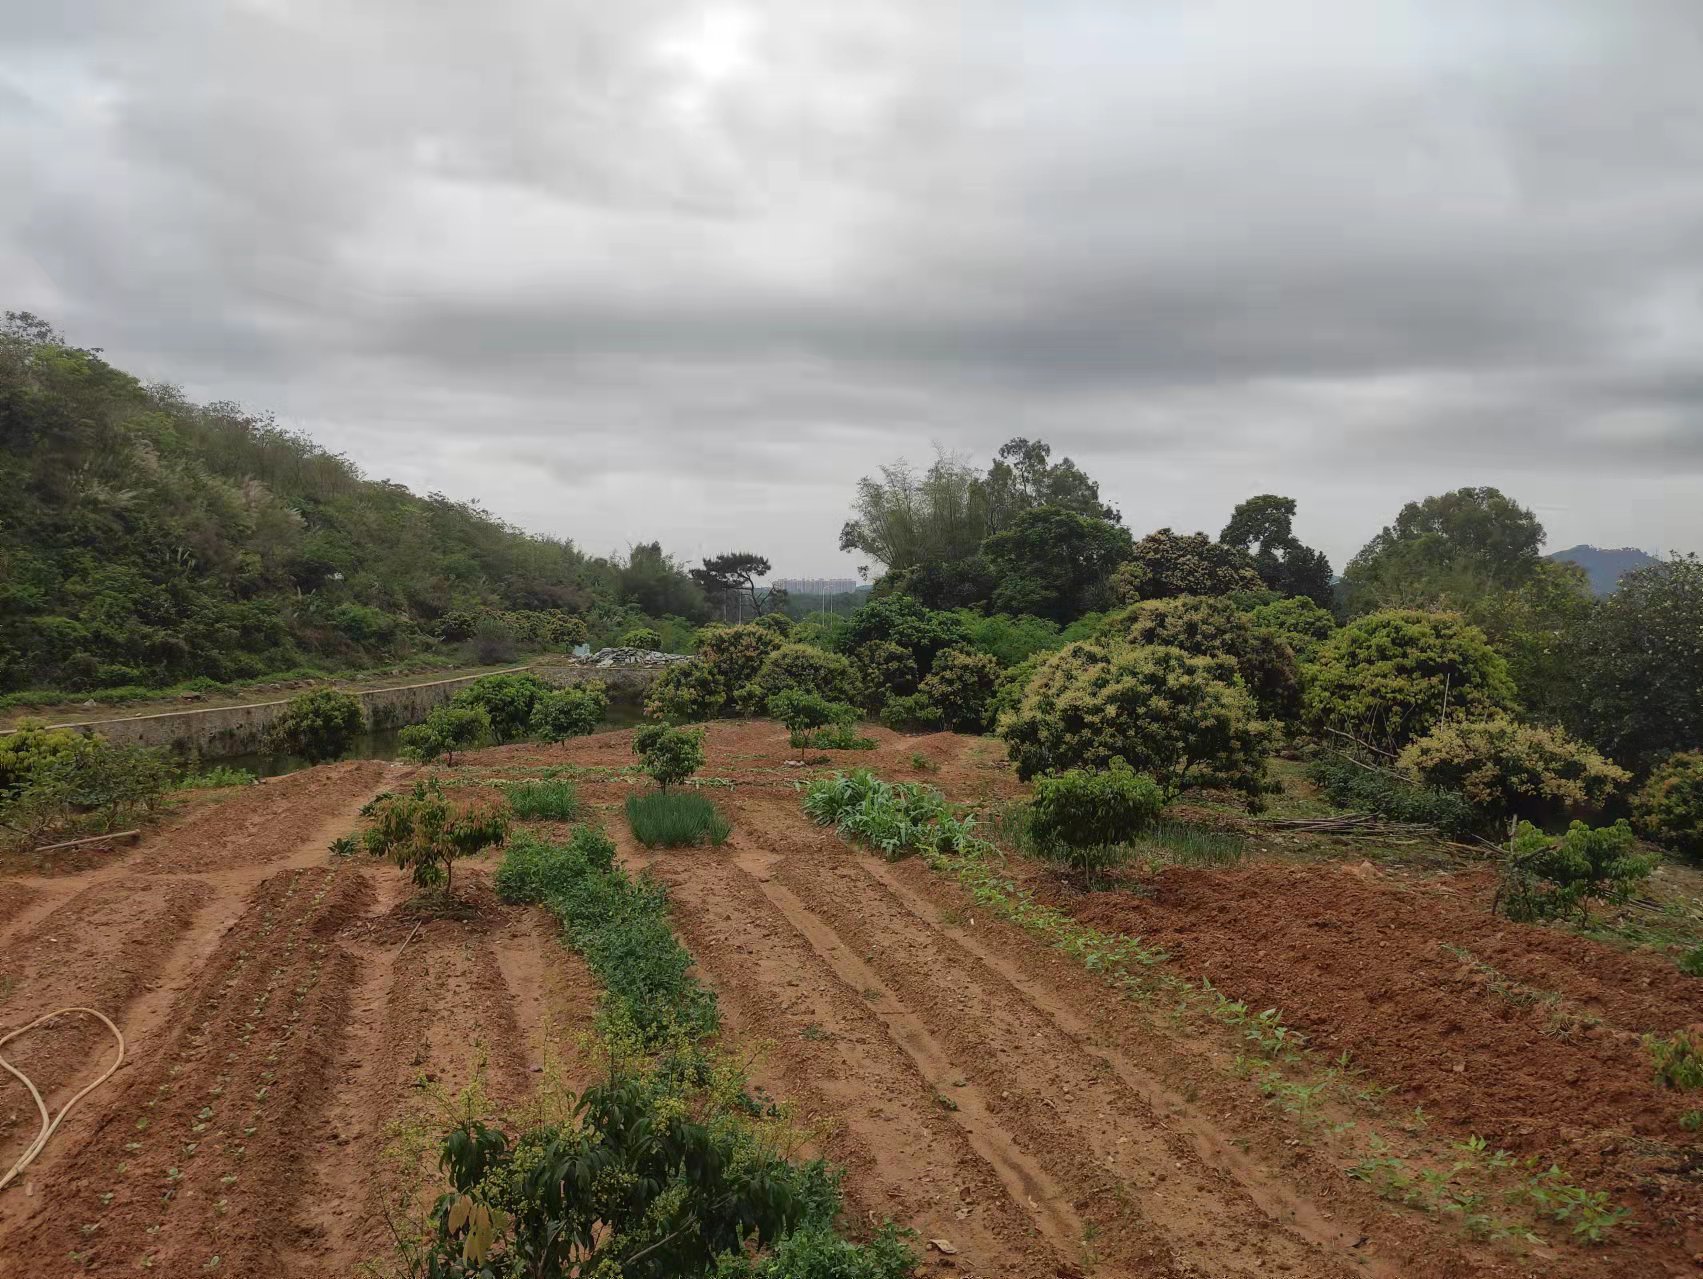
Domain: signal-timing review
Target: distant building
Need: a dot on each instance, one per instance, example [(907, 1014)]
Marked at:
[(817, 585)]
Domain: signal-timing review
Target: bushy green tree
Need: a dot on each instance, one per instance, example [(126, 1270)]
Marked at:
[(798, 666), (1539, 626), (885, 670), (961, 686), (800, 710), (425, 832), (1008, 639), (687, 692), (33, 746), (1641, 665), (1551, 876), (1448, 549), (1263, 527), (1299, 622), (779, 623), (1183, 720), (1082, 817), (1505, 769), (561, 713), (641, 637), (912, 713), (897, 619), (444, 731), (507, 699), (319, 726), (1669, 809), (670, 755), (1212, 626), (1054, 563), (1390, 677), (1165, 564)]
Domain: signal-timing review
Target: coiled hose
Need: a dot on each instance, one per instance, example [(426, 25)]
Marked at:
[(50, 1123)]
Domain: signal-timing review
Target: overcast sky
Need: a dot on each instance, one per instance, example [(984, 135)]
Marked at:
[(635, 269)]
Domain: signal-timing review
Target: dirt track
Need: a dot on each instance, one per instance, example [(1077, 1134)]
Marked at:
[(979, 1086)]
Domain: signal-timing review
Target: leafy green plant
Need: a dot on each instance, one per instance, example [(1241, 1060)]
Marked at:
[(216, 777), (1212, 626), (319, 726), (344, 846), (1369, 788), (912, 712), (885, 670), (923, 764), (670, 755), (1691, 963), (1508, 770), (1547, 876), (961, 686), (1183, 720), (1083, 819), (728, 659), (1678, 1060), (641, 637), (444, 731), (562, 713), (508, 700), (831, 737), (1188, 845), (800, 668), (663, 819), (425, 832), (548, 801), (799, 709), (1669, 809), (896, 818)]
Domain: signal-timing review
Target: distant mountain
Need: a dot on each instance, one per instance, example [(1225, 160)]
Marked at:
[(1604, 567)]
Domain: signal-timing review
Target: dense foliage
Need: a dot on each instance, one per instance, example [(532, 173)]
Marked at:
[(508, 701), (320, 725), (1212, 626), (1444, 550), (55, 782), (1183, 720), (561, 713), (675, 819), (728, 663), (1359, 787), (1264, 528), (1165, 564), (1302, 624), (1553, 876), (803, 668), (147, 540), (961, 687), (1082, 818), (1390, 677), (1669, 809), (1054, 564), (669, 755), (444, 731), (1509, 770)]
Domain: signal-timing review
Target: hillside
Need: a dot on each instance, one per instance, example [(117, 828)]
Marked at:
[(1604, 567), (145, 540)]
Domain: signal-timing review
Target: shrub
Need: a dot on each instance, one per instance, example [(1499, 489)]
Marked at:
[(507, 699), (1209, 626), (56, 788), (562, 713), (1678, 1061), (728, 659), (425, 833), (669, 754), (896, 818), (641, 637), (1012, 685), (1296, 619), (779, 623), (1082, 818), (443, 732), (1550, 876), (1669, 810), (1364, 789), (533, 871), (912, 713), (318, 726), (32, 746), (662, 820), (802, 710), (962, 686), (1390, 677), (543, 801), (830, 737), (1183, 720), (885, 670), (216, 777), (922, 632), (736, 653), (806, 669), (686, 691), (1008, 639), (1504, 770)]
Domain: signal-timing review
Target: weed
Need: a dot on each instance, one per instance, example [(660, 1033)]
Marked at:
[(215, 777), (671, 819), (923, 764), (544, 801), (1191, 846), (1692, 1120), (1678, 1061), (1691, 963), (830, 737), (344, 846)]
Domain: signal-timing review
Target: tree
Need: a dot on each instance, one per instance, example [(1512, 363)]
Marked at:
[(658, 586), (443, 732), (922, 632), (1083, 818), (669, 754), (1454, 547), (425, 833), (1165, 564), (799, 666), (1053, 563), (1641, 665), (1023, 477), (1505, 769), (962, 686), (1183, 720), (1302, 624), (903, 519), (1669, 809), (318, 726), (507, 699), (1388, 678), (1540, 627), (562, 713), (1263, 527), (1549, 876), (1211, 626), (732, 577)]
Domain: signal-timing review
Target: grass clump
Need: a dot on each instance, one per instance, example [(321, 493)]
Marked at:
[(1678, 1061), (215, 778), (674, 819), (1691, 963), (1188, 845), (544, 801)]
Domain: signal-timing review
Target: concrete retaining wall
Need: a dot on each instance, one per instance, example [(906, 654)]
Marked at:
[(239, 730)]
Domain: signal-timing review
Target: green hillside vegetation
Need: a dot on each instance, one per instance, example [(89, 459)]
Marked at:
[(146, 540)]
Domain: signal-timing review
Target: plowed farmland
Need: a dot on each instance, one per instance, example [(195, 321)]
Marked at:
[(290, 1021)]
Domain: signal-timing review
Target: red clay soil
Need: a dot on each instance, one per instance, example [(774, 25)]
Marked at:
[(1543, 1055)]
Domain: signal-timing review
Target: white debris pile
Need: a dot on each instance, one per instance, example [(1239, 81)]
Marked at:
[(631, 657)]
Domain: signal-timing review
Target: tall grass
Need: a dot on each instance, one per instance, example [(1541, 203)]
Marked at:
[(1191, 846), (545, 801), (675, 819)]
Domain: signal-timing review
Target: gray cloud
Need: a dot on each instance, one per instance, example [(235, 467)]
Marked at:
[(677, 270)]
